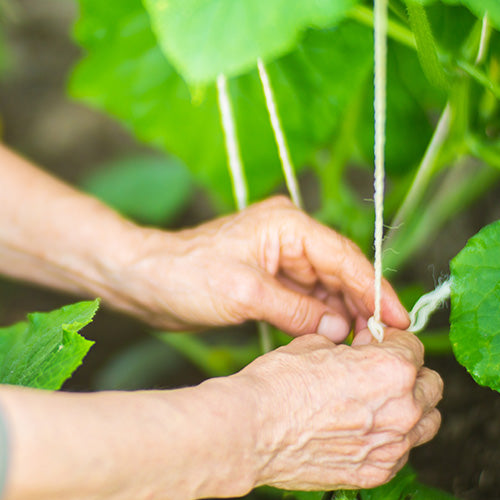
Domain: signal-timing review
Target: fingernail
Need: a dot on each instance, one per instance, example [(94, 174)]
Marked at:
[(335, 328)]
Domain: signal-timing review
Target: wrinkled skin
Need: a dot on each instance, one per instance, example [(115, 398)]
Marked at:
[(311, 415), (342, 417), (270, 262)]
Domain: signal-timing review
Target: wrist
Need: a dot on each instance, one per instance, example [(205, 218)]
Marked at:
[(227, 451)]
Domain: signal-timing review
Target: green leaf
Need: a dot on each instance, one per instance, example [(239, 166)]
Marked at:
[(44, 351), (481, 7), (475, 302), (405, 486), (478, 7), (126, 74), (149, 189), (204, 38)]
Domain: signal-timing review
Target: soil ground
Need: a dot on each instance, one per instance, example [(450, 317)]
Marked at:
[(67, 138)]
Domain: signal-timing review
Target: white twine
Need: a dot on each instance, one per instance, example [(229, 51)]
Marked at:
[(380, 8), (483, 42), (237, 172), (427, 304), (284, 153), (232, 147)]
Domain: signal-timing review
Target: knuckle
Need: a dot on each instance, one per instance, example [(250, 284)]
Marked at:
[(279, 200), (300, 314), (412, 417), (406, 372), (247, 291)]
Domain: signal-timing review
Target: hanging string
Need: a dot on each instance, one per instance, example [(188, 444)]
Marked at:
[(239, 181), (483, 43), (380, 38), (237, 172), (284, 153)]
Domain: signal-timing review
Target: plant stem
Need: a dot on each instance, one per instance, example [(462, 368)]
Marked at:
[(401, 34), (426, 46), (424, 172), (461, 186), (479, 77), (488, 154), (265, 338)]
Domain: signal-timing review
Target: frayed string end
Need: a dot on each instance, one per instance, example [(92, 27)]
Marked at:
[(427, 304)]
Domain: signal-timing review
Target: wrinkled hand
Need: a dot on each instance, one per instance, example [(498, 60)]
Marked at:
[(333, 417), (270, 262)]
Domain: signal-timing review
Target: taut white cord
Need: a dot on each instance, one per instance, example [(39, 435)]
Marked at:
[(232, 148), (284, 153), (427, 304), (380, 35), (240, 188), (483, 43)]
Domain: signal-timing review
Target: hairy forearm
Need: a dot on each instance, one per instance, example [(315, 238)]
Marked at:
[(182, 444)]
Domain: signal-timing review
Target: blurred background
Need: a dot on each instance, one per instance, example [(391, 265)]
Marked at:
[(86, 147)]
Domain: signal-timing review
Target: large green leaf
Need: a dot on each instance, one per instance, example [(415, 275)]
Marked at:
[(126, 74), (44, 351), (204, 38), (405, 486), (481, 7), (475, 303), (147, 188), (477, 7)]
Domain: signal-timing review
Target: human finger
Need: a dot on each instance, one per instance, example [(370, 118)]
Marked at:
[(404, 344), (334, 256), (428, 389), (296, 313), (426, 428), (363, 337)]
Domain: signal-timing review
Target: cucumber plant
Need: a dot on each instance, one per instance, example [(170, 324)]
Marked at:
[(154, 64)]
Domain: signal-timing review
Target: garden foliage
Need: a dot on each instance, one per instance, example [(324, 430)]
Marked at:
[(44, 351), (153, 65)]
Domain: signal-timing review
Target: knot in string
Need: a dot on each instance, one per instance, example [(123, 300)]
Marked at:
[(376, 328)]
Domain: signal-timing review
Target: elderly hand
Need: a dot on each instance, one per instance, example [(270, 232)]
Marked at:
[(270, 262), (334, 417)]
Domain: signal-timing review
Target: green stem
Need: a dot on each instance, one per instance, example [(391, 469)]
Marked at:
[(401, 34), (424, 173), (426, 46), (479, 77), (265, 338), (461, 186)]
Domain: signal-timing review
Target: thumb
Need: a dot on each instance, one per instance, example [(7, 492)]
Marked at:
[(298, 313)]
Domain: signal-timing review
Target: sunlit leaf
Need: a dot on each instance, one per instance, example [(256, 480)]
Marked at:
[(204, 38), (475, 303), (45, 350)]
